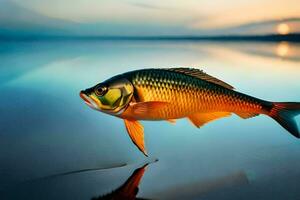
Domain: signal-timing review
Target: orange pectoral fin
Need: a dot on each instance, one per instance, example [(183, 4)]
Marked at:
[(146, 107), (136, 133), (199, 119)]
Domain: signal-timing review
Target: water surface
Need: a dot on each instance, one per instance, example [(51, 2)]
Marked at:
[(46, 130)]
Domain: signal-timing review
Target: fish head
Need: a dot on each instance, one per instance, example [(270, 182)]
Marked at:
[(111, 96)]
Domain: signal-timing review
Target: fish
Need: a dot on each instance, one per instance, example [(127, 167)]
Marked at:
[(174, 93)]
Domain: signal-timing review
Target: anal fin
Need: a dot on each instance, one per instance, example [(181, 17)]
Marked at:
[(199, 119), (136, 132), (246, 115), (172, 121)]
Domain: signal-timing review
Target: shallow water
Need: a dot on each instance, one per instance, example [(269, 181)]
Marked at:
[(46, 130)]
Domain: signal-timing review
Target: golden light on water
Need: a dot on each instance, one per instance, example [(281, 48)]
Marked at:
[(283, 29), (283, 49)]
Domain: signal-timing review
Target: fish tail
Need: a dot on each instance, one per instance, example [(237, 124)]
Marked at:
[(284, 113)]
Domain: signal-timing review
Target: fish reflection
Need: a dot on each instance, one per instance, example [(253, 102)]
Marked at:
[(174, 93), (129, 189)]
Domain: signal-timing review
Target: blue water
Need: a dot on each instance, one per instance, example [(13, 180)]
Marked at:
[(46, 129)]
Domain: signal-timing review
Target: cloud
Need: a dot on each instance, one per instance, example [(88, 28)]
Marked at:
[(263, 26), (149, 6), (25, 21), (154, 21)]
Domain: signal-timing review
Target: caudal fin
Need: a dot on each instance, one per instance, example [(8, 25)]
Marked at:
[(284, 113)]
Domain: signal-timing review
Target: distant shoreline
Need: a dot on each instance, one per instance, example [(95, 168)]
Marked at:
[(225, 38)]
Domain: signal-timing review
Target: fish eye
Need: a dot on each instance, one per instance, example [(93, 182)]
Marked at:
[(100, 90)]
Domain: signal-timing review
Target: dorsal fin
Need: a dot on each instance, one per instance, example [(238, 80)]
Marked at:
[(201, 75)]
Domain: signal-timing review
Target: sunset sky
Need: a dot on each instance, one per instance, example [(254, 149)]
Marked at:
[(154, 16)]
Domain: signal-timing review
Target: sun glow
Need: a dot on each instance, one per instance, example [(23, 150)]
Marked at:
[(283, 49), (283, 29)]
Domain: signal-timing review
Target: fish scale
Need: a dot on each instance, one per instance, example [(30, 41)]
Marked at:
[(187, 94)]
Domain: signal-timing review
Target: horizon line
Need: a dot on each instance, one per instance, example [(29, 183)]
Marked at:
[(292, 37)]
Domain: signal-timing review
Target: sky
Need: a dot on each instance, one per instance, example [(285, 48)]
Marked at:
[(149, 17)]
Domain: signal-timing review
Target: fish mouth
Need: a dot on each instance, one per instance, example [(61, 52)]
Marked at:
[(88, 101)]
